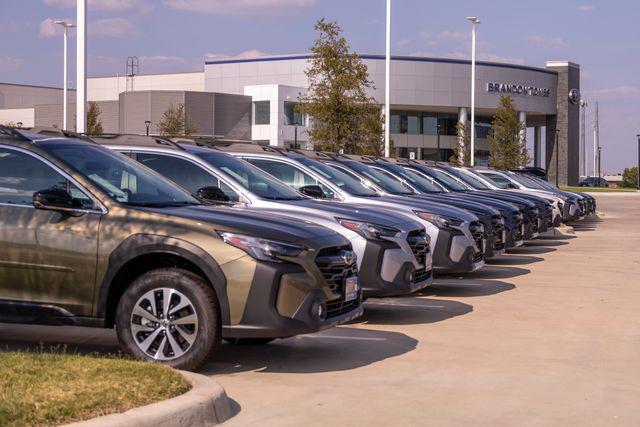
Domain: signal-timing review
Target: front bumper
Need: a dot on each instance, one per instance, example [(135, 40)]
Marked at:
[(455, 253), (282, 301)]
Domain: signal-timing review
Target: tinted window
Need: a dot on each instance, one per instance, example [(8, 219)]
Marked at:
[(339, 178), (447, 180), (123, 179), (389, 185), (421, 184), (21, 175), (289, 174), (497, 179), (186, 174), (262, 112), (250, 177), (469, 179)]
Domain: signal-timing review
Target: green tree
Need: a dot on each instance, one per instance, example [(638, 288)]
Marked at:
[(462, 151), (630, 177), (343, 116), (94, 125), (506, 150), (174, 123)]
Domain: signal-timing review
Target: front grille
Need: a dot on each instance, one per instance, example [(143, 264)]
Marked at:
[(581, 206), (497, 230), (549, 212), (336, 264), (518, 223), (477, 231), (419, 243)]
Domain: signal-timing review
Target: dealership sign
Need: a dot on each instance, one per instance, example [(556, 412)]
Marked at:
[(518, 89)]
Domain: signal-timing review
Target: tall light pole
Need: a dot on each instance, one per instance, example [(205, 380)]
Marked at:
[(596, 141), (638, 136), (583, 138), (66, 25), (387, 83), (474, 21), (81, 66)]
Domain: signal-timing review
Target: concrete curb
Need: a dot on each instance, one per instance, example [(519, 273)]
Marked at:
[(564, 231), (206, 404)]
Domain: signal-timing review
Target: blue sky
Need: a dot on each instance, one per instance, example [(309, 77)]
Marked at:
[(176, 35)]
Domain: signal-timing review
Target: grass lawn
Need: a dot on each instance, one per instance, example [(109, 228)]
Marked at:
[(599, 189), (53, 388)]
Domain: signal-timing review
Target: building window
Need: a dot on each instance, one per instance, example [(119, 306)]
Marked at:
[(291, 116), (394, 126), (413, 125), (262, 112), (430, 125)]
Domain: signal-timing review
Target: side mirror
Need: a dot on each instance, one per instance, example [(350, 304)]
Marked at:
[(512, 186), (57, 199), (312, 191), (212, 194)]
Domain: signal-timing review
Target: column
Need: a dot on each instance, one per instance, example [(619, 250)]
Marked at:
[(522, 118), (537, 146), (463, 119)]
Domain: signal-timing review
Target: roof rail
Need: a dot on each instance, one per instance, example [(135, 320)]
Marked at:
[(9, 132), (133, 139), (245, 147)]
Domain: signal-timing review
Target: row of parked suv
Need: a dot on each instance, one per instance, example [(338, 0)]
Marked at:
[(180, 244)]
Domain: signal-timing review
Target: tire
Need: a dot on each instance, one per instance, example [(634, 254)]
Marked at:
[(249, 341), (191, 334)]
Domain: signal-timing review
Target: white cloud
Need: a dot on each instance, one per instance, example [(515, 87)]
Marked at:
[(253, 53), (403, 42), (547, 42), (239, 7), (8, 63), (620, 91), (142, 6), (49, 29), (586, 8), (112, 27)]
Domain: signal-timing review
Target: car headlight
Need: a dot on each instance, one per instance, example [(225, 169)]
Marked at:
[(261, 249), (369, 230), (439, 221)]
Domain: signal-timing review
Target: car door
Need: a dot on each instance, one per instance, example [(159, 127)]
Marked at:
[(47, 258)]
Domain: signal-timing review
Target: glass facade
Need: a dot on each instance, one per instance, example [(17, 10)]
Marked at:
[(291, 116), (426, 123), (262, 112)]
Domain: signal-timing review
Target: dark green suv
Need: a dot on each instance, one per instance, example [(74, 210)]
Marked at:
[(89, 237)]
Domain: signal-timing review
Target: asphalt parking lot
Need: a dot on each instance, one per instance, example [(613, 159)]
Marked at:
[(521, 342)]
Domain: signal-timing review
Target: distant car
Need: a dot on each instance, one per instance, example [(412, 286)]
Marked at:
[(593, 181)]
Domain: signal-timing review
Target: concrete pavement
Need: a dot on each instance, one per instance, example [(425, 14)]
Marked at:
[(547, 335)]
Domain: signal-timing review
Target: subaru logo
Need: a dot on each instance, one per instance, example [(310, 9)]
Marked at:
[(574, 96), (348, 257)]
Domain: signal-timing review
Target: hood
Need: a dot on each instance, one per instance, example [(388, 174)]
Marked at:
[(431, 207), (328, 208), (477, 207), (505, 208), (244, 221)]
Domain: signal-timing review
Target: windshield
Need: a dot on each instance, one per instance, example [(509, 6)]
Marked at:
[(338, 178), (496, 179), (528, 183), (543, 183), (469, 179), (449, 181), (250, 177), (122, 179), (418, 182), (387, 184)]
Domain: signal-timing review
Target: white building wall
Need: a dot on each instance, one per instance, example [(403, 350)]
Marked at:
[(109, 88), (15, 115)]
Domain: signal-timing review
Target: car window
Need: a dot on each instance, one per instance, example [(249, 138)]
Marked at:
[(120, 177), (496, 179), (250, 177), (389, 185), (22, 175), (289, 174), (336, 177), (468, 179), (185, 173)]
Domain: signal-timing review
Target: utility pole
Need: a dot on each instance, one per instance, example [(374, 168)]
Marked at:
[(583, 138), (81, 66), (387, 83), (596, 140), (474, 21), (66, 25)]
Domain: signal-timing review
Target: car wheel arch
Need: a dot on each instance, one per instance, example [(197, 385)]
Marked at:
[(139, 254)]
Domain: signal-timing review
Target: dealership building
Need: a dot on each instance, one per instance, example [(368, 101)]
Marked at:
[(255, 98)]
